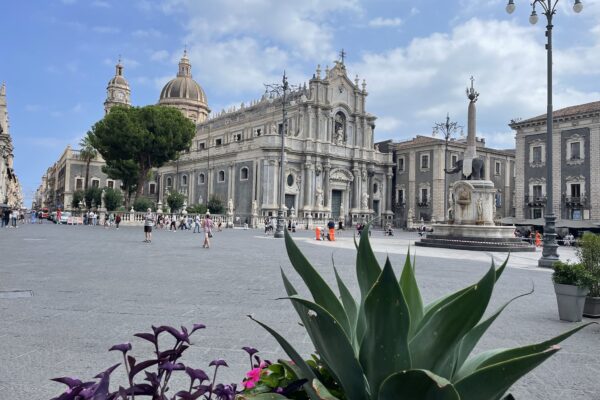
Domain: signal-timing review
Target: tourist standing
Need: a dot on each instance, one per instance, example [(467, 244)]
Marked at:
[(538, 239), (207, 226), (13, 217), (117, 220), (148, 223), (197, 223)]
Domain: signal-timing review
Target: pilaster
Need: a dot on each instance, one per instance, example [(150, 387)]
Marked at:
[(594, 172), (520, 175), (556, 173)]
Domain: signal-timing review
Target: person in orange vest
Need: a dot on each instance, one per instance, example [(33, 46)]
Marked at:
[(318, 233), (538, 239)]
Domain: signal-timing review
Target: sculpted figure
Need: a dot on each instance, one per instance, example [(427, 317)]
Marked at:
[(254, 207), (365, 201), (319, 197), (230, 206), (479, 209)]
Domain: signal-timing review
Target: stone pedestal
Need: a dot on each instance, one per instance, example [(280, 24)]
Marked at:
[(473, 203), (229, 220), (254, 221)]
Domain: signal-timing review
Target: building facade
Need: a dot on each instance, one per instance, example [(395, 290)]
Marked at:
[(419, 177), (332, 168), (575, 164), (11, 192), (66, 176)]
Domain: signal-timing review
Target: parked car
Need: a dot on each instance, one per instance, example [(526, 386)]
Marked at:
[(64, 217)]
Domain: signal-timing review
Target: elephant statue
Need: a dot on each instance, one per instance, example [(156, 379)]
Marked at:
[(476, 174)]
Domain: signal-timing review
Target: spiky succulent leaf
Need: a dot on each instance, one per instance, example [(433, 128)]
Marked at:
[(384, 348), (321, 292), (417, 384), (350, 307), (434, 346), (334, 347), (410, 290), (322, 391), (303, 370), (470, 340), (494, 380), (496, 356)]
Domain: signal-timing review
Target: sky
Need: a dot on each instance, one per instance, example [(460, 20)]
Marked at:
[(57, 56)]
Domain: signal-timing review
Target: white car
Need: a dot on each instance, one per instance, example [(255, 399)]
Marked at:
[(64, 217)]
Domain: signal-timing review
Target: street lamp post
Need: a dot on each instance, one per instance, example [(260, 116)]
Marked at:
[(549, 252), (281, 89), (448, 129)]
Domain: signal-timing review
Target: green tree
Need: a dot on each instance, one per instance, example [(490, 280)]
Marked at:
[(197, 209), (87, 153), (175, 201), (142, 204), (148, 136), (215, 205), (113, 199), (93, 197), (127, 172), (77, 197)]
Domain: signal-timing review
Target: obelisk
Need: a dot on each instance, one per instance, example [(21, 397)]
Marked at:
[(471, 151)]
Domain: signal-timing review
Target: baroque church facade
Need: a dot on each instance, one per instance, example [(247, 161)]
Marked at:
[(11, 193), (332, 170)]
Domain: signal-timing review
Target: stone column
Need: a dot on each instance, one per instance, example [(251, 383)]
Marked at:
[(411, 193), (520, 160), (355, 204), (191, 186), (594, 195), (389, 191), (308, 184), (231, 183), (326, 186)]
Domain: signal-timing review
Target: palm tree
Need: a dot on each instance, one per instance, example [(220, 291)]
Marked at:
[(87, 153)]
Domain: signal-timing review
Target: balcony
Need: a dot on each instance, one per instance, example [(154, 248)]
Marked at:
[(535, 201), (399, 206), (423, 202), (575, 201)]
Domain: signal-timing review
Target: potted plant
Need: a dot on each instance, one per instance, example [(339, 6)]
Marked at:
[(571, 282), (589, 256)]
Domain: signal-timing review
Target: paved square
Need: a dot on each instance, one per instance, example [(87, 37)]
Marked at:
[(72, 292)]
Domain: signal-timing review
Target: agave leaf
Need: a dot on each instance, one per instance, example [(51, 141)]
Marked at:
[(492, 357), (434, 346), (350, 307), (384, 348), (494, 380), (303, 370), (367, 267), (410, 290), (469, 341), (319, 289), (335, 349), (322, 391), (417, 384)]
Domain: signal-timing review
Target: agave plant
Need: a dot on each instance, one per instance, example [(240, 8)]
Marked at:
[(388, 345)]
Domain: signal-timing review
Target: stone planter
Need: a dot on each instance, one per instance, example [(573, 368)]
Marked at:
[(571, 300), (591, 308)]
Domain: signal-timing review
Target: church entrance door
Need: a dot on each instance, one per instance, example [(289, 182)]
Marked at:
[(336, 203), (290, 201), (376, 207)]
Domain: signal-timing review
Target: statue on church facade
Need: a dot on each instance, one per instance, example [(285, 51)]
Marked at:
[(365, 201)]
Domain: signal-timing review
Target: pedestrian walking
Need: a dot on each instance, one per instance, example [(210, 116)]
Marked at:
[(148, 224), (13, 216), (207, 226), (197, 223), (538, 239), (117, 220)]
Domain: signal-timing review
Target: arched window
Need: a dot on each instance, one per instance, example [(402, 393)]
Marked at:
[(339, 133), (221, 176), (169, 182), (244, 174), (184, 180), (375, 188), (201, 179)]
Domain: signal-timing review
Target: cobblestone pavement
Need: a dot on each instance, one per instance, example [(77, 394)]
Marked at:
[(93, 288)]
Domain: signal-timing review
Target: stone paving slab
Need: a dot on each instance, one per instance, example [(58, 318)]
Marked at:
[(93, 288)]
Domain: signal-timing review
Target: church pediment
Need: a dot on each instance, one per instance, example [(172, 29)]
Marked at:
[(341, 175)]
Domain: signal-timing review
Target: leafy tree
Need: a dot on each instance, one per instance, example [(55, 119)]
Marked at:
[(215, 205), (127, 172), (93, 197), (113, 199), (142, 204), (197, 209), (87, 153), (175, 201), (77, 197), (148, 136)]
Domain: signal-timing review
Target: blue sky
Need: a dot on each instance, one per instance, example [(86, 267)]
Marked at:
[(56, 57)]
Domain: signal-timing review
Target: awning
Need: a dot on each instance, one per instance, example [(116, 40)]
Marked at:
[(563, 223), (522, 221)]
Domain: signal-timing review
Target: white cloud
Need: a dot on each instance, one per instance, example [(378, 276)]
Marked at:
[(381, 22), (147, 33), (160, 55), (106, 29)]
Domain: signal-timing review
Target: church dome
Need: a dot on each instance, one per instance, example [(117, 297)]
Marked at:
[(183, 86)]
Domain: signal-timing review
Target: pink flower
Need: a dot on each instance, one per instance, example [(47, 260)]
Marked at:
[(253, 376), (249, 384)]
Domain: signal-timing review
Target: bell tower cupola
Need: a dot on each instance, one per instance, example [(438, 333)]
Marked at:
[(117, 91)]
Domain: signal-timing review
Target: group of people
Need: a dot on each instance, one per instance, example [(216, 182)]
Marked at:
[(11, 217), (206, 224)]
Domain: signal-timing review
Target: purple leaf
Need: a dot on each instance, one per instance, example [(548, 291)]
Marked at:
[(70, 382), (147, 336), (170, 366), (131, 362), (218, 363), (140, 367), (107, 372), (196, 374), (123, 347), (179, 336), (250, 350), (152, 377), (196, 327)]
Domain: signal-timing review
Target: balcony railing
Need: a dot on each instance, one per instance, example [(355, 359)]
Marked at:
[(535, 200), (575, 201)]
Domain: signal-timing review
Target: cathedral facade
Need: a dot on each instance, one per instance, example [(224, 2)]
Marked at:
[(332, 168), (11, 193)]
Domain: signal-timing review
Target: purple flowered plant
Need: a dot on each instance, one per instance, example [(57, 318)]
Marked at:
[(155, 385)]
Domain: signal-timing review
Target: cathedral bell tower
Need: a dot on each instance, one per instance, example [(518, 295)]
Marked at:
[(117, 91)]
